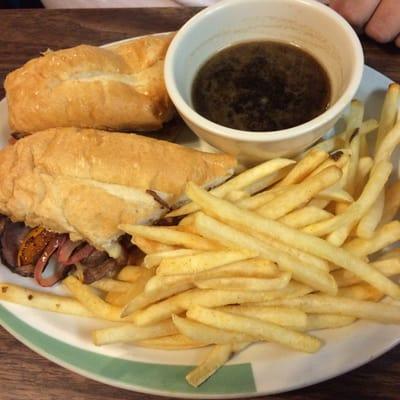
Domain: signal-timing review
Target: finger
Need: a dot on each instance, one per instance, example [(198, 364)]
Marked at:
[(384, 25), (357, 12)]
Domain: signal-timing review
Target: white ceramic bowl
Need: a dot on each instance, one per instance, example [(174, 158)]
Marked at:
[(305, 23)]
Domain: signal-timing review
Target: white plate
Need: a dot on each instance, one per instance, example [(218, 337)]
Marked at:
[(261, 369)]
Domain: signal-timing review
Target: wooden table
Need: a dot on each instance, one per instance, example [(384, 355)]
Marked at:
[(23, 35)]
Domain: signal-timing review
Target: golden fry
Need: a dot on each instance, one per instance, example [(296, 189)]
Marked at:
[(388, 113), (300, 194), (208, 334), (384, 236), (111, 285), (252, 268), (370, 221), (260, 329), (239, 182), (131, 333), (392, 202), (85, 295), (304, 273), (169, 236), (327, 321), (210, 298), (284, 316), (357, 209), (307, 243), (305, 216), (217, 357), (130, 273), (304, 167), (153, 260), (323, 304), (172, 342), (202, 262), (42, 301), (243, 283)]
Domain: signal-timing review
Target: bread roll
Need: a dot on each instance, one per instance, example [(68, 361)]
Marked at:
[(118, 88), (86, 182)]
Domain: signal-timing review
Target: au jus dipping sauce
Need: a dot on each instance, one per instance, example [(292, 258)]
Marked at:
[(261, 86)]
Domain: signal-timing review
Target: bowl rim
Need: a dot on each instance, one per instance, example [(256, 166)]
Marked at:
[(265, 136)]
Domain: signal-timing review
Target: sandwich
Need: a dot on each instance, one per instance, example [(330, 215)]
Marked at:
[(118, 88), (65, 191)]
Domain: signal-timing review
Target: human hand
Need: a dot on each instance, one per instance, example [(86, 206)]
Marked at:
[(380, 19)]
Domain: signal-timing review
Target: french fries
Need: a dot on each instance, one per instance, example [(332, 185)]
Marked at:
[(335, 194), (151, 246), (129, 274), (239, 182), (260, 329), (208, 334), (169, 236), (354, 120), (300, 194), (237, 195), (299, 240), (357, 209), (279, 250), (305, 216), (369, 222), (388, 267), (289, 317), (243, 283), (111, 285), (351, 175), (42, 301), (363, 169), (154, 260), (251, 268), (392, 202), (304, 167), (339, 159), (327, 321), (201, 262), (85, 295), (258, 200), (388, 144), (208, 298), (218, 356), (338, 141), (385, 236), (322, 304), (361, 291), (120, 299), (268, 181), (388, 113), (156, 284), (306, 258), (338, 237), (307, 274), (172, 342), (144, 299), (132, 333)]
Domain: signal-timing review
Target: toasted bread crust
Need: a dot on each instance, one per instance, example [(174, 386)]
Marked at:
[(118, 88), (86, 182)]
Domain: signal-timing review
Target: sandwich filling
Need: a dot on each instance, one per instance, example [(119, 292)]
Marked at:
[(29, 251)]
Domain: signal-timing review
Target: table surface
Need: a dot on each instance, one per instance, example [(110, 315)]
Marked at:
[(26, 33)]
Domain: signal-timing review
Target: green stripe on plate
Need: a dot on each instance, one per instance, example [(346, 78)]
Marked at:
[(231, 379)]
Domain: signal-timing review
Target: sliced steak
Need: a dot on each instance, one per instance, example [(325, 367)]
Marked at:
[(96, 258), (107, 269), (12, 236)]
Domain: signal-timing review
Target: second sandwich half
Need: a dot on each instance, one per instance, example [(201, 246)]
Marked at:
[(66, 190)]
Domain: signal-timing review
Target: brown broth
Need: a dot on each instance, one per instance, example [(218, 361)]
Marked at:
[(261, 86)]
